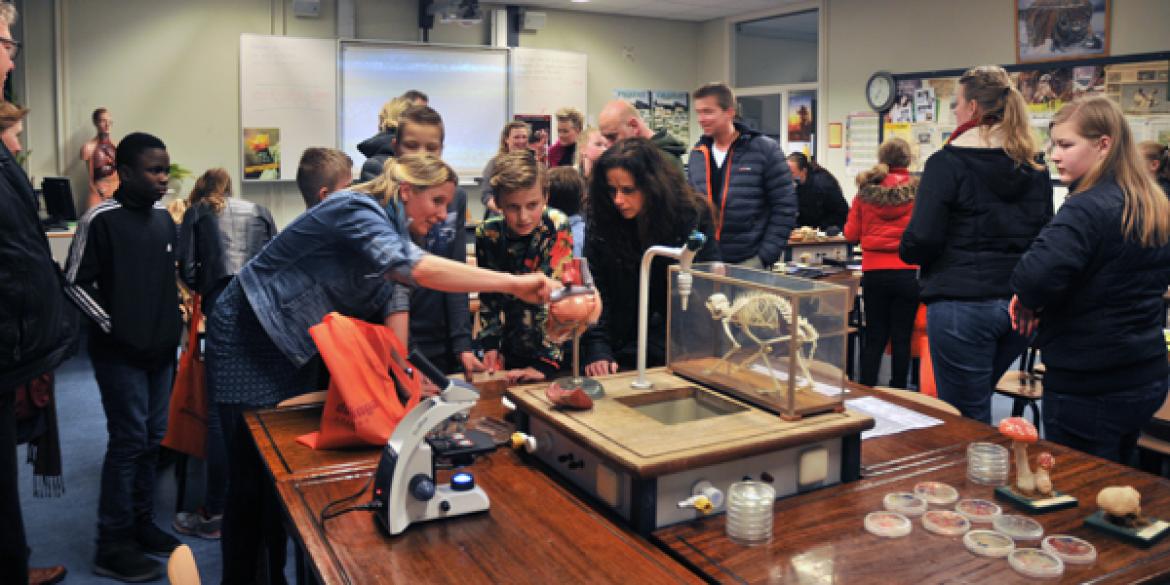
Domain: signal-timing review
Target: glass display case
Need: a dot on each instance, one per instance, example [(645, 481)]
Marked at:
[(775, 341)]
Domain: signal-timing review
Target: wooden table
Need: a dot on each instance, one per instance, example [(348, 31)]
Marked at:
[(819, 536), (535, 532)]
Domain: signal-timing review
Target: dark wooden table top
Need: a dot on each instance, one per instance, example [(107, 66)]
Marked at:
[(819, 537), (535, 532)]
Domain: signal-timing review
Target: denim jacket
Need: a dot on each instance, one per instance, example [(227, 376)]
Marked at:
[(337, 256)]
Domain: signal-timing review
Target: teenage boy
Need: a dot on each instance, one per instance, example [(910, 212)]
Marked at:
[(745, 178), (121, 273), (321, 172), (440, 323)]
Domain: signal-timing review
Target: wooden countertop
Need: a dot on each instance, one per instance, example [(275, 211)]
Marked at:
[(819, 536), (536, 530)]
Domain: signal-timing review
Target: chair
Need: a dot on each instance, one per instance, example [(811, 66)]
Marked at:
[(921, 399), (1154, 443), (181, 568), (1024, 386)]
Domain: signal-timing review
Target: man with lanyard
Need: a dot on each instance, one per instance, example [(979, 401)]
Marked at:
[(746, 178)]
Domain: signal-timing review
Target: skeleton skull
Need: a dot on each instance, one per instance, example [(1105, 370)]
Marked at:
[(718, 305)]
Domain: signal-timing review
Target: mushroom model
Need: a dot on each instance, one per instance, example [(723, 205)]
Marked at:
[(1021, 432), (1044, 463), (1122, 505)]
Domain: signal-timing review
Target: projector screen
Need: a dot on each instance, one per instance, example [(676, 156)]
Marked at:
[(467, 86)]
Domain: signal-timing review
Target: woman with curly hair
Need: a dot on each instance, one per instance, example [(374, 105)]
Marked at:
[(637, 199)]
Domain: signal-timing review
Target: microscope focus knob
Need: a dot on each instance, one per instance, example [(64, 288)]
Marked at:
[(422, 487)]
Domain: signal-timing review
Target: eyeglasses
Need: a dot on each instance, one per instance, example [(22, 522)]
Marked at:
[(13, 47)]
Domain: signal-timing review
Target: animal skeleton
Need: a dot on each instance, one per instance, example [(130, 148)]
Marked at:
[(764, 311)]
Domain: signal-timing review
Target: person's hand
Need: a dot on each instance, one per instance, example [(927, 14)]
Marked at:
[(533, 288), (1024, 320), (429, 388), (471, 364), (601, 368), (493, 361), (524, 375)]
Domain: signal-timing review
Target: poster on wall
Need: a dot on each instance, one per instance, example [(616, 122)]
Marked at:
[(903, 108), (924, 104), (672, 113), (540, 128), (861, 142), (800, 119), (262, 154), (1058, 30), (1047, 89), (639, 98)]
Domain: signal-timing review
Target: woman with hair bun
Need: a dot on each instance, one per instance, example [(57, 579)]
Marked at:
[(879, 215)]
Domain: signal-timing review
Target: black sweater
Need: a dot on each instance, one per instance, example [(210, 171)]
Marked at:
[(975, 214), (440, 323), (820, 201), (121, 273), (1099, 296)]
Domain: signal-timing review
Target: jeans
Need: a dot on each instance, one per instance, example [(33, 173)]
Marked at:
[(891, 300), (216, 486), (135, 400), (972, 344), (1106, 425), (253, 520), (13, 547)]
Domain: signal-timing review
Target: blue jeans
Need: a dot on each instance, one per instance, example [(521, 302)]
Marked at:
[(1106, 425), (135, 400), (972, 344)]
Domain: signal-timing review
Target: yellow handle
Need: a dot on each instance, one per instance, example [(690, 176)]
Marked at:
[(518, 440), (703, 504)]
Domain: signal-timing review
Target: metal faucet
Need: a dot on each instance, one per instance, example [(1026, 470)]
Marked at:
[(685, 254)]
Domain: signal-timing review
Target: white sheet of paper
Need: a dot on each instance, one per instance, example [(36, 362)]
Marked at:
[(818, 387), (889, 418)]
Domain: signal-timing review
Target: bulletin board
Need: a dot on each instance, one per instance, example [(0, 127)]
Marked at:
[(1140, 84), (288, 102)]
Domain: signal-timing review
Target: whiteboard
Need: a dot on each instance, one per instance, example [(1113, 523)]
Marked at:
[(468, 86), (544, 81), (287, 84)]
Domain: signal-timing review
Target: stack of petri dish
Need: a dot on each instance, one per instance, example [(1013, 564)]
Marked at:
[(988, 464), (749, 512)]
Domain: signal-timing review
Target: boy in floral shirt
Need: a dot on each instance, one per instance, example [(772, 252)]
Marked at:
[(528, 237)]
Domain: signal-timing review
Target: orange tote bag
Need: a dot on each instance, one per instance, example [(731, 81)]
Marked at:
[(187, 419), (367, 365)]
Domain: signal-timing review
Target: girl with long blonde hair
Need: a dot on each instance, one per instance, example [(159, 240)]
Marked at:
[(1092, 283), (982, 199)]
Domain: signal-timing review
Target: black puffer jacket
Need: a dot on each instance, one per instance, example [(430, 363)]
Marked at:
[(213, 247), (759, 198), (976, 213), (37, 323), (377, 149), (1099, 295), (615, 337), (821, 203)]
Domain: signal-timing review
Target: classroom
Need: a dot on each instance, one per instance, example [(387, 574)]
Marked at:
[(606, 291)]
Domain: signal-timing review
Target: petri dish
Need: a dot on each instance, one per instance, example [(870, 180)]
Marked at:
[(1018, 527), (888, 524), (904, 503), (989, 543), (1070, 549), (936, 493), (945, 522), (1036, 563), (978, 511)]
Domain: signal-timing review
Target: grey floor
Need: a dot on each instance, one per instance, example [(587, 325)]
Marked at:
[(61, 531)]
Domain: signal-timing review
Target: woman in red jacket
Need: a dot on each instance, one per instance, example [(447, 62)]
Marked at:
[(877, 219)]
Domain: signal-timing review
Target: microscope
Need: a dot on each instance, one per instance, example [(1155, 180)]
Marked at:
[(433, 435)]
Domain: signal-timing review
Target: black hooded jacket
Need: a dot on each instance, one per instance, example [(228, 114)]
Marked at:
[(975, 214), (37, 323), (377, 149)]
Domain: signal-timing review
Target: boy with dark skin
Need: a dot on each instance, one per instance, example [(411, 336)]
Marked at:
[(121, 274)]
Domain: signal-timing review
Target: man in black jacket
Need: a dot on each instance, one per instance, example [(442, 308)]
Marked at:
[(619, 120), (37, 324), (121, 272), (745, 178)]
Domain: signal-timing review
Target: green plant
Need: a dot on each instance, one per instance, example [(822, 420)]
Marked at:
[(22, 157), (179, 172)]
